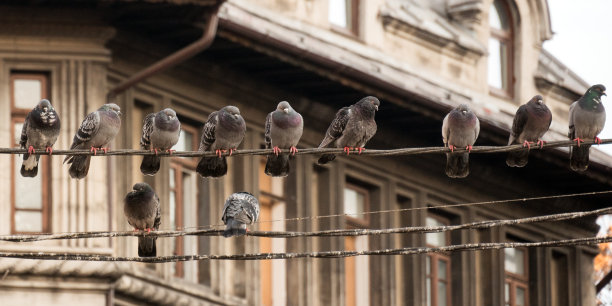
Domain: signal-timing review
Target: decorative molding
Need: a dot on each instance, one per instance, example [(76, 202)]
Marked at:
[(465, 12)]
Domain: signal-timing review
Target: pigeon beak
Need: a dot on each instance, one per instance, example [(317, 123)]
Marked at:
[(540, 101), (376, 107), (119, 113), (604, 94), (286, 110), (464, 112), (236, 116)]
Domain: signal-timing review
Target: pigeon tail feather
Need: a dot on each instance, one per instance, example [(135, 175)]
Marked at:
[(146, 246), (79, 166), (212, 166), (150, 164), (457, 165), (234, 228), (277, 165), (326, 158), (579, 158), (29, 167), (517, 158)]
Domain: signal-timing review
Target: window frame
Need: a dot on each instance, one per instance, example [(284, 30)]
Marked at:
[(352, 28), (516, 280), (433, 271), (18, 115), (352, 222), (504, 36)]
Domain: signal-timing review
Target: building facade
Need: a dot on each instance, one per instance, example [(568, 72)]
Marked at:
[(420, 58)]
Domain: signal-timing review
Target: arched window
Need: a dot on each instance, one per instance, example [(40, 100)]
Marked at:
[(500, 72)]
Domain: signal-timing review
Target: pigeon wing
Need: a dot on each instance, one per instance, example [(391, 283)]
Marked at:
[(336, 128), (147, 129)]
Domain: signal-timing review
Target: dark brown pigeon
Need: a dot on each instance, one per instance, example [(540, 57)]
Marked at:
[(160, 132), (283, 131), (352, 127), (40, 130), (142, 210), (460, 129), (531, 122), (587, 117)]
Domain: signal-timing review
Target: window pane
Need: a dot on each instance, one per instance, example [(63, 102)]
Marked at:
[(28, 190), (441, 294), (428, 286), (507, 293), (17, 133), (172, 208), (498, 17), (428, 266), (353, 203), (520, 296), (27, 93), (495, 70), (435, 239), (338, 12), (442, 269), (28, 221), (514, 261), (185, 142), (171, 179), (494, 20)]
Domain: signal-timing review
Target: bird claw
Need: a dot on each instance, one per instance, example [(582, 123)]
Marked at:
[(469, 148), (31, 150), (49, 150), (94, 149), (527, 144), (231, 151), (104, 149), (218, 152), (597, 140), (170, 151), (578, 141), (293, 150), (154, 150), (360, 149), (452, 148), (541, 143), (148, 230), (276, 150), (347, 150)]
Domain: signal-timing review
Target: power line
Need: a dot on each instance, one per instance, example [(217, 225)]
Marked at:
[(339, 151), (323, 254), (325, 233)]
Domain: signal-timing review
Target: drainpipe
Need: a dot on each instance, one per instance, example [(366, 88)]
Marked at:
[(173, 59)]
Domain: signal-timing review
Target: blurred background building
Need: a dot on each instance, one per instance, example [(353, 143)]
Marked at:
[(420, 58)]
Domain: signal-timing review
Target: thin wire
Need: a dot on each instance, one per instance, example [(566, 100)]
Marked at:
[(368, 152), (325, 233), (324, 254)]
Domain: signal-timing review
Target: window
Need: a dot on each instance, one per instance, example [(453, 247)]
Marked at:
[(356, 269), (517, 279), (30, 197), (438, 265), (343, 15), (272, 207), (183, 196), (500, 72)]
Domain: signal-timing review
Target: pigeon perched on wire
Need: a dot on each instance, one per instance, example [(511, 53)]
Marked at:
[(531, 122), (240, 209), (222, 132), (352, 127), (40, 131), (283, 131), (460, 128), (95, 133), (142, 210), (587, 117), (160, 132)]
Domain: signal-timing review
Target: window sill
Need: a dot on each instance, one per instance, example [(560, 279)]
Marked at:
[(345, 32), (500, 93)]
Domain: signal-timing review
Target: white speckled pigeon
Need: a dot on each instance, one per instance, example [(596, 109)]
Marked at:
[(240, 209), (96, 131), (352, 127), (587, 117), (223, 131), (284, 128), (142, 210), (460, 128), (40, 130), (160, 132), (531, 122)]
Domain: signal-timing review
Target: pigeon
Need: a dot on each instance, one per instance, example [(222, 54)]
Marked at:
[(160, 132), (223, 131), (587, 117), (40, 131), (96, 131), (142, 210), (460, 128), (531, 122), (352, 127), (283, 130), (240, 209)]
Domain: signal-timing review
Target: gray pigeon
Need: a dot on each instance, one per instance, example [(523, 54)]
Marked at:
[(40, 130), (352, 128), (240, 209), (142, 210), (222, 132), (460, 128), (587, 117), (160, 132), (531, 122), (284, 128), (96, 131)]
